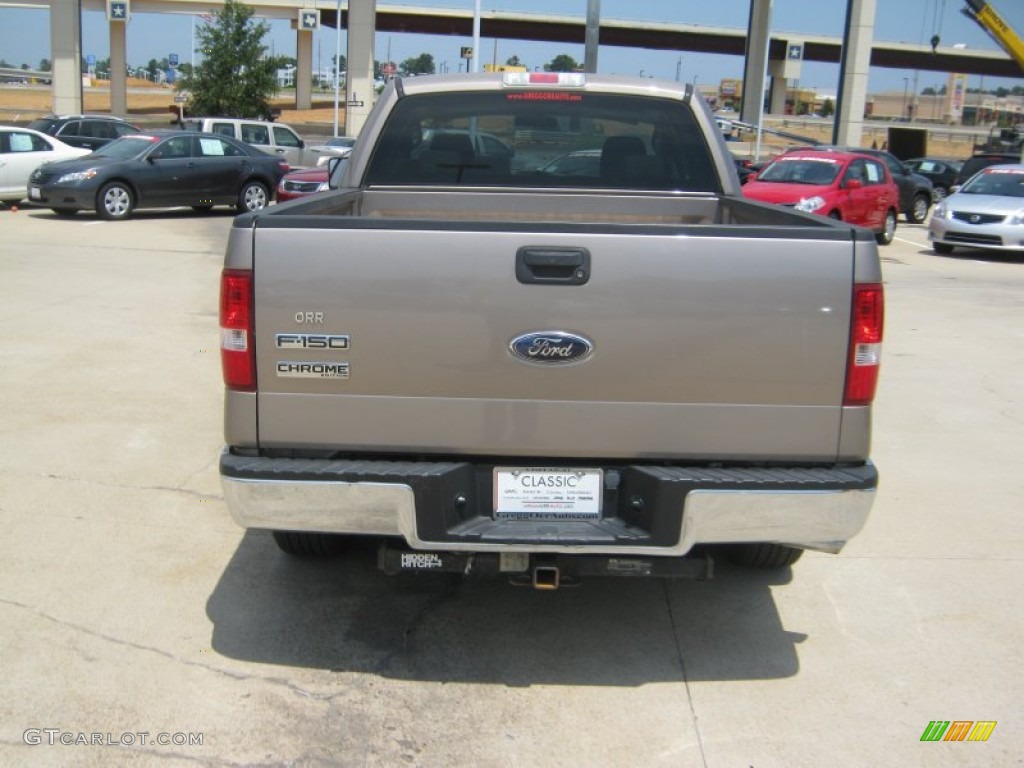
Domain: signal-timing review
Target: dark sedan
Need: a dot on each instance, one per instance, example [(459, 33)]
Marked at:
[(159, 169), (940, 171)]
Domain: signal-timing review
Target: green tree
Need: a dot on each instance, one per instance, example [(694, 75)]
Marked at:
[(827, 108), (44, 65), (418, 65), (514, 61), (562, 63), (236, 77)]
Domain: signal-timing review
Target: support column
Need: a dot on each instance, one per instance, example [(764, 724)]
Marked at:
[(66, 55), (359, 95), (592, 37), (304, 69), (781, 72), (777, 97), (118, 68), (756, 58), (853, 73)]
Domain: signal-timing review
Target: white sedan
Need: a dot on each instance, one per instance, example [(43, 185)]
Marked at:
[(22, 150), (986, 212), (338, 146)]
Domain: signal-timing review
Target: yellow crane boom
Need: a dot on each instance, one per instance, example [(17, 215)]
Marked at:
[(985, 15)]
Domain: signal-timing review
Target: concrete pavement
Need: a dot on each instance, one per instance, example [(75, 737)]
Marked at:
[(132, 608)]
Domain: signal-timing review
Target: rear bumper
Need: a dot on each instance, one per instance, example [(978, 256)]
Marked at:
[(649, 510)]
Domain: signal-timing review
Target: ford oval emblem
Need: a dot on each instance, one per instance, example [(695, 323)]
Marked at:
[(551, 347)]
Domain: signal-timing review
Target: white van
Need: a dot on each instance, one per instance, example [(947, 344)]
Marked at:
[(273, 138)]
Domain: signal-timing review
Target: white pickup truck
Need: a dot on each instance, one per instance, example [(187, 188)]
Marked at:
[(578, 351)]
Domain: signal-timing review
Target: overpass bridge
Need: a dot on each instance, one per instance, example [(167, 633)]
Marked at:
[(363, 17)]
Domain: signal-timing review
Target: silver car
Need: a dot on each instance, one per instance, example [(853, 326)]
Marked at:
[(986, 212)]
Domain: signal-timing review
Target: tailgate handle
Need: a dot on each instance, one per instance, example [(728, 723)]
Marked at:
[(553, 265)]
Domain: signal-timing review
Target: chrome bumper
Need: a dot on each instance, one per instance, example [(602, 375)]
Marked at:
[(300, 495)]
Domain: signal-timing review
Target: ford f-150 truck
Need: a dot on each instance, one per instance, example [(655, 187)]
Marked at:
[(548, 353)]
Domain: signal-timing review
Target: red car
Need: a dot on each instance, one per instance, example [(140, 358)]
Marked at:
[(854, 188), (302, 183)]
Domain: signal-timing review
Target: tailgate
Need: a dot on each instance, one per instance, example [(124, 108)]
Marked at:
[(703, 345)]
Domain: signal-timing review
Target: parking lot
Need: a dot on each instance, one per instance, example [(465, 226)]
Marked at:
[(140, 626)]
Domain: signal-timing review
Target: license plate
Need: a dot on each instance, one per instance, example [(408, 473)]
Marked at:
[(522, 493), (34, 193)]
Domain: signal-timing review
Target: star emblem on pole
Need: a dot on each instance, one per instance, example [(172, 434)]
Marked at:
[(118, 10)]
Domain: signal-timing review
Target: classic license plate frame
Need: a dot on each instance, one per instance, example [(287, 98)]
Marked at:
[(548, 493)]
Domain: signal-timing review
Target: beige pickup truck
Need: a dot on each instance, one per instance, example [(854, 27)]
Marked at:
[(575, 351)]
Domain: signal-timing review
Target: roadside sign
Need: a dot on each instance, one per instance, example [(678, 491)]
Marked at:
[(90, 59), (467, 52), (181, 98), (172, 59)]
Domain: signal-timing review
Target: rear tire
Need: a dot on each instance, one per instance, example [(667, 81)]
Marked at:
[(763, 555), (304, 544), (115, 201), (888, 230), (942, 248)]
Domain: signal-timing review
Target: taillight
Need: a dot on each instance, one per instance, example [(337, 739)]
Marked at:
[(237, 354), (865, 344)]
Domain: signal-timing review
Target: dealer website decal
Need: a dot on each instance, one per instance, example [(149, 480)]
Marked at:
[(958, 730)]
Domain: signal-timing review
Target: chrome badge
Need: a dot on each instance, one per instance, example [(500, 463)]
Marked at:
[(551, 347)]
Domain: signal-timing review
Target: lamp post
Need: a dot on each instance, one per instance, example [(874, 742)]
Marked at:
[(903, 112)]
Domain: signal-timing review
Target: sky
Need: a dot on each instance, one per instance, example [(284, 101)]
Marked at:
[(24, 37)]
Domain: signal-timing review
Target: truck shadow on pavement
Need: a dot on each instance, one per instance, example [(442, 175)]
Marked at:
[(344, 615)]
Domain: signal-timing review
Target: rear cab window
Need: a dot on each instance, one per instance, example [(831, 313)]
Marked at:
[(530, 138)]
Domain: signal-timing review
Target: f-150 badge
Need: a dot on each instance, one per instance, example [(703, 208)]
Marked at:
[(324, 341), (551, 347)]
